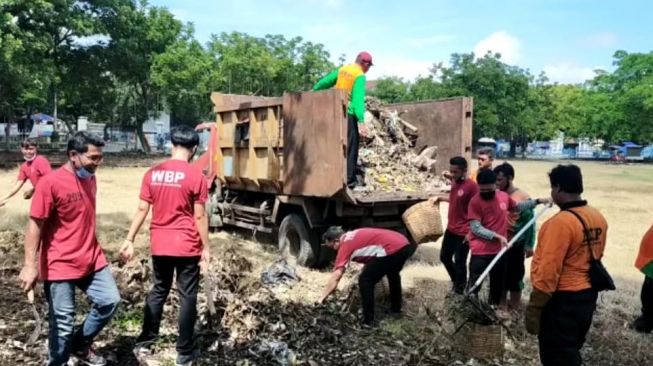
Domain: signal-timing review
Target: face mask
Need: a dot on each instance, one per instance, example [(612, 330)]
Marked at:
[(83, 173), (29, 159), (487, 195)]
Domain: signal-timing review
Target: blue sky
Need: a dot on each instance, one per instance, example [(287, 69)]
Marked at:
[(567, 39)]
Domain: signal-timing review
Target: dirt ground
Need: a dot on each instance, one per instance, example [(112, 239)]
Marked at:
[(619, 192)]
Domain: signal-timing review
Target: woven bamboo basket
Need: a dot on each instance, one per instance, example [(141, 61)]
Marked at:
[(479, 341), (424, 222)]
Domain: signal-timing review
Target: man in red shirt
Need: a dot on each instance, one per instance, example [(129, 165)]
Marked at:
[(34, 167), (62, 228), (454, 249), (179, 238), (488, 222), (383, 252)]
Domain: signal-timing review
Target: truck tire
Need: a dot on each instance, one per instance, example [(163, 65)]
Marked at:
[(296, 239)]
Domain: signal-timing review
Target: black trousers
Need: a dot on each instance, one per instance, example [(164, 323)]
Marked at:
[(515, 267), (565, 321), (647, 299), (454, 258), (352, 149), (188, 278), (478, 264), (374, 271)]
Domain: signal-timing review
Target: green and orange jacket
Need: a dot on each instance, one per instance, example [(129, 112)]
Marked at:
[(352, 79), (644, 260)]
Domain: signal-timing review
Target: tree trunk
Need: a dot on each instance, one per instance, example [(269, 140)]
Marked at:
[(513, 148), (55, 101), (142, 139)]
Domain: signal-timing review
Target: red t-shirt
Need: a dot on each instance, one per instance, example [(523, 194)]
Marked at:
[(493, 215), (69, 248), (363, 245), (173, 188), (459, 197), (34, 170)]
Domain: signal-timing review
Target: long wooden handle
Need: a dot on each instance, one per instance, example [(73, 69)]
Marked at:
[(505, 249)]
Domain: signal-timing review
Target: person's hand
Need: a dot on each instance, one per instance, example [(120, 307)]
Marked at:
[(534, 310), (126, 251), (446, 175), (529, 253), (205, 259), (362, 130), (502, 240), (28, 276), (28, 193), (545, 201)]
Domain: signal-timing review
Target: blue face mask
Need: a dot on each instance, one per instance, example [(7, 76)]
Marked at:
[(83, 173)]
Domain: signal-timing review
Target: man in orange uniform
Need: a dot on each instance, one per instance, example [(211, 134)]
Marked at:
[(563, 301), (352, 79), (644, 263)]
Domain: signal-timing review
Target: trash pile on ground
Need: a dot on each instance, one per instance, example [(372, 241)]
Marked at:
[(388, 161), (250, 326)]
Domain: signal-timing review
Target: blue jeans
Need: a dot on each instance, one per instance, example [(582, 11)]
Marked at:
[(101, 289)]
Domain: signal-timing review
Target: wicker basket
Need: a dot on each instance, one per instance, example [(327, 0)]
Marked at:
[(423, 222), (484, 342)]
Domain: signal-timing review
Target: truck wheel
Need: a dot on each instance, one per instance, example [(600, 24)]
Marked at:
[(297, 240)]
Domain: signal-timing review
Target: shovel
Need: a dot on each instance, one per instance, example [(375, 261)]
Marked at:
[(37, 318)]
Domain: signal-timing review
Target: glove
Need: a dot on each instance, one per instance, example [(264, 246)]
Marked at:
[(534, 310)]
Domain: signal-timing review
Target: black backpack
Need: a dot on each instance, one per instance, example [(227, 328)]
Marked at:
[(599, 276)]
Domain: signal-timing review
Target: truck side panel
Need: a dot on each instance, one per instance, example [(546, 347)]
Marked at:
[(446, 124), (249, 143), (314, 138)]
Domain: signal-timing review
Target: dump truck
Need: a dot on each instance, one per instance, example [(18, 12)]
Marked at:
[(277, 165)]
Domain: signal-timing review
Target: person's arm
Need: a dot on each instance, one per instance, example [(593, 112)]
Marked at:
[(481, 231), (332, 285), (202, 223), (327, 82), (29, 274), (16, 187), (439, 198), (530, 204), (127, 249), (357, 101)]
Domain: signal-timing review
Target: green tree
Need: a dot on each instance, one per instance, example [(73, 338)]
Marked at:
[(185, 75), (138, 35), (392, 90)]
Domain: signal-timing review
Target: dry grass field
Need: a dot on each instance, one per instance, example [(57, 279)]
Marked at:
[(621, 192)]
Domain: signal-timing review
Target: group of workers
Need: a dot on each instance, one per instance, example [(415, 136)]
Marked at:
[(62, 250), (486, 210)]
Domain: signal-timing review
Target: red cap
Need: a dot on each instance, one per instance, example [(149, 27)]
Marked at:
[(364, 57)]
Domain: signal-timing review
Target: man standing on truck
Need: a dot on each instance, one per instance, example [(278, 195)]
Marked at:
[(520, 250), (454, 247), (563, 300), (384, 253), (34, 167), (179, 239), (62, 229), (352, 79)]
